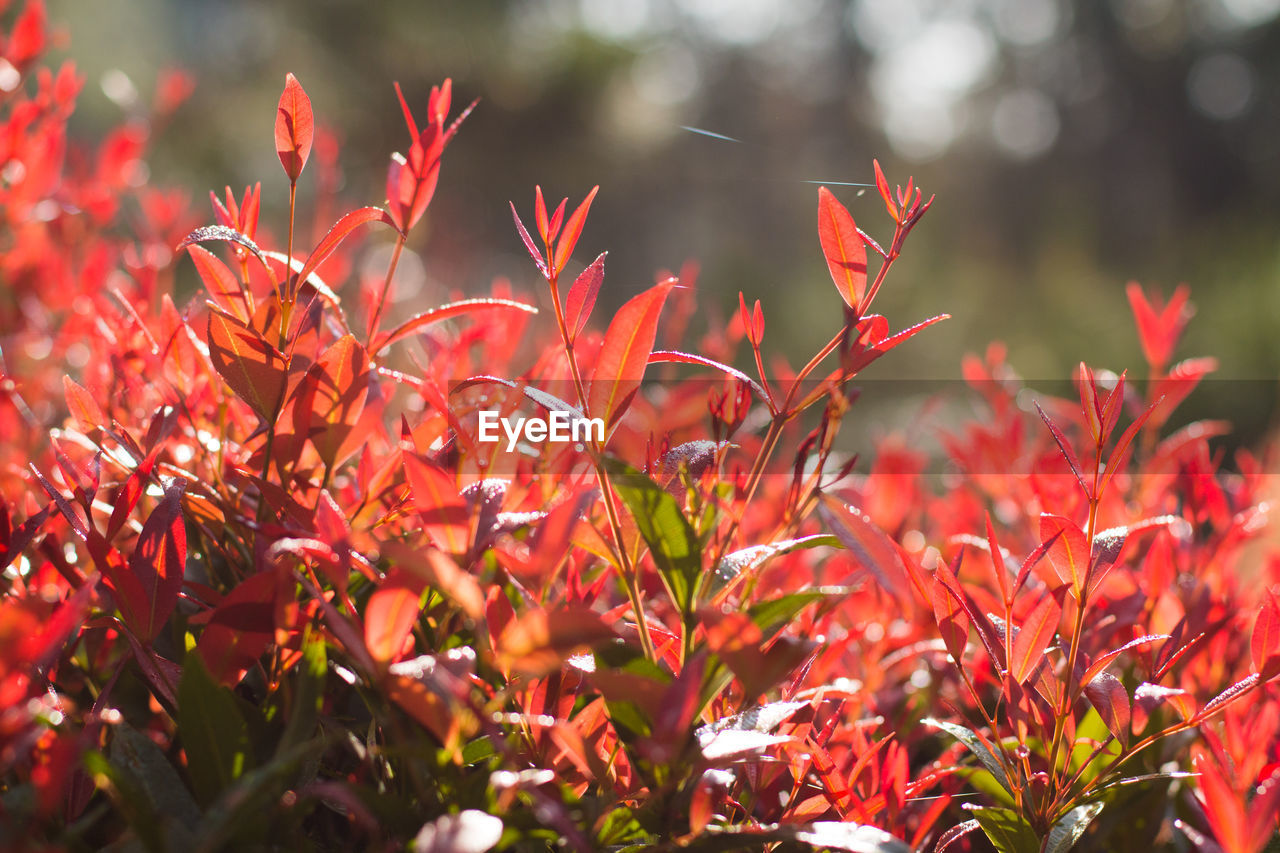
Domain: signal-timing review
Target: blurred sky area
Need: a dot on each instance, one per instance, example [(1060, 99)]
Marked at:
[(1072, 147)]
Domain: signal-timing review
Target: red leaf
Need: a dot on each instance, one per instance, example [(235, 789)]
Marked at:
[(1065, 446), (242, 626), (88, 415), (1112, 703), (253, 368), (537, 642), (1033, 638), (339, 232), (868, 544), (443, 511), (295, 127), (1222, 806), (1265, 642), (953, 624), (338, 387), (625, 352), (1069, 554), (445, 312), (158, 561), (528, 241), (438, 570), (582, 297), (845, 252), (689, 358), (391, 613), (572, 230), (221, 283)]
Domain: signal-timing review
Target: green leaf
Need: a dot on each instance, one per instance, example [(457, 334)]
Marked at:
[(308, 696), (214, 733), (1067, 831), (1006, 829), (773, 615), (970, 738), (752, 558), (671, 539), (159, 804)]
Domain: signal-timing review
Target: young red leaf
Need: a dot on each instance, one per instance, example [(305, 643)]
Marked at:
[(295, 128), (1112, 703), (625, 352), (534, 252), (444, 312), (391, 613), (1069, 554), (253, 368), (443, 511), (539, 640), (1065, 447), (582, 297), (845, 252), (338, 387), (224, 288), (1222, 806), (1265, 642), (242, 626), (572, 230), (868, 544), (1036, 632), (83, 408), (158, 561), (339, 232), (882, 187), (540, 214), (953, 624), (1119, 452), (690, 358)]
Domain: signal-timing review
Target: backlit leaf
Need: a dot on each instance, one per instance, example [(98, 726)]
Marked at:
[(1036, 632), (845, 252), (445, 312), (158, 561), (295, 127), (253, 368), (624, 354), (582, 297)]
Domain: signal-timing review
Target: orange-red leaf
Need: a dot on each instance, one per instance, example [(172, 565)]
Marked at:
[(845, 252), (442, 510), (221, 283), (391, 613), (1265, 642), (157, 563), (253, 368), (582, 296), (1069, 554), (295, 127), (339, 232), (241, 627), (88, 415), (539, 640), (625, 352), (445, 312), (1033, 638), (573, 230), (341, 383)]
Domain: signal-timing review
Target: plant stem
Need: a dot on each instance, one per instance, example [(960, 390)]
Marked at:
[(630, 575), (386, 287)]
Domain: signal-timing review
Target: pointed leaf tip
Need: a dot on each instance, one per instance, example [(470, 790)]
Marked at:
[(295, 128)]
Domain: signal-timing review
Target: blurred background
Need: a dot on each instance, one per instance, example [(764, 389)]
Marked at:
[(1072, 147)]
